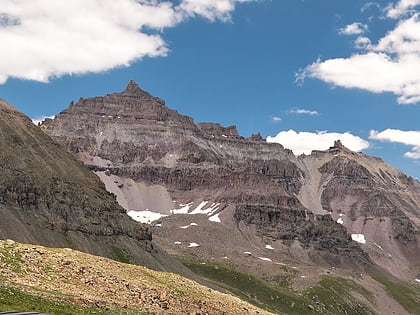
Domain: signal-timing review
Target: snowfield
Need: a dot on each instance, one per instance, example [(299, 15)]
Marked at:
[(145, 216), (359, 238)]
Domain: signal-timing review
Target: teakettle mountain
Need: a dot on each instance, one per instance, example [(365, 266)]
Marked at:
[(215, 195)]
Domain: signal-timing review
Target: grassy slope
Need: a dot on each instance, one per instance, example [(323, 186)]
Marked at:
[(15, 299), (332, 295), (64, 281), (407, 296)]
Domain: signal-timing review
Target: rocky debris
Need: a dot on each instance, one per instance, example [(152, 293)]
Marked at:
[(85, 280)]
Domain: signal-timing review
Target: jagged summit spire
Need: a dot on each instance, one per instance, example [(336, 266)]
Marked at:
[(133, 89), (338, 144)]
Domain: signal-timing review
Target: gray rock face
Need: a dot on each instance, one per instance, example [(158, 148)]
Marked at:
[(260, 189), (322, 237)]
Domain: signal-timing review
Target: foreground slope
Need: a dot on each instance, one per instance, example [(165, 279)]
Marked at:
[(65, 281), (47, 197), (256, 205)]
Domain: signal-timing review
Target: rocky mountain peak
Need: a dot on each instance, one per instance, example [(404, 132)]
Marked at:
[(338, 144), (133, 89), (339, 147)]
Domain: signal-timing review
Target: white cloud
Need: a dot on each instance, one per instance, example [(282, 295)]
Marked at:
[(362, 42), (392, 65), (369, 5), (49, 38), (276, 119), (401, 8), (210, 9), (38, 120), (411, 138), (353, 29), (304, 112), (305, 142)]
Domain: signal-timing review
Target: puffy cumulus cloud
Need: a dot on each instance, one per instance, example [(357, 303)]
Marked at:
[(353, 29), (400, 8), (49, 38), (411, 138), (210, 9), (392, 65), (305, 142), (302, 111)]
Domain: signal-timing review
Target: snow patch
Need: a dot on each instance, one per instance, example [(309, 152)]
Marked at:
[(269, 247), (159, 224), (145, 216), (183, 210), (193, 245), (248, 253), (215, 218), (340, 221), (265, 259), (199, 209), (177, 243), (224, 136), (359, 238), (187, 226), (417, 280), (379, 246)]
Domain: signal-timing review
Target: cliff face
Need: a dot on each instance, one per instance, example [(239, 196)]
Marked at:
[(251, 193), (47, 197)]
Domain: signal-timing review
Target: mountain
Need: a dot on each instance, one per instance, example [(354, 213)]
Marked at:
[(256, 205), (47, 197)]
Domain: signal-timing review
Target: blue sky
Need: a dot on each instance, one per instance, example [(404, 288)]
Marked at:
[(302, 73)]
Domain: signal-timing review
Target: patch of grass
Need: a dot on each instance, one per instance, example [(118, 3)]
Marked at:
[(333, 296), (407, 296), (119, 254), (14, 299), (12, 258), (251, 289)]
